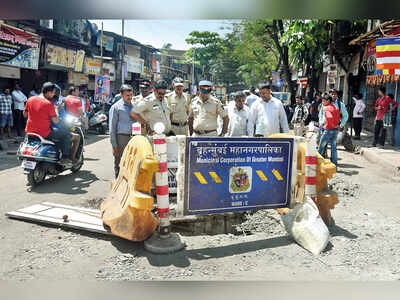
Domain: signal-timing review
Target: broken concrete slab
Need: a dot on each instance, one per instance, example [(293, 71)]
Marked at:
[(62, 215)]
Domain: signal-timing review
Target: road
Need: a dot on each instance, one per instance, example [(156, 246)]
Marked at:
[(364, 242)]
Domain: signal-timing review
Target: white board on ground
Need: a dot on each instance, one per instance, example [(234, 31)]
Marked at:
[(52, 213)]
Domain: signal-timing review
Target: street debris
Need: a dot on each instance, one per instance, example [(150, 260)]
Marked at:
[(93, 203), (306, 226), (345, 188), (262, 221)]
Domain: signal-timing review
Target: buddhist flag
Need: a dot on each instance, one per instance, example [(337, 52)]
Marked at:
[(303, 81), (388, 56)]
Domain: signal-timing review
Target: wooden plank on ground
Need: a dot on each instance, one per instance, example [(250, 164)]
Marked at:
[(52, 213)]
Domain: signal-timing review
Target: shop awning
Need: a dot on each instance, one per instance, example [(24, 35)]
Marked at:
[(381, 30)]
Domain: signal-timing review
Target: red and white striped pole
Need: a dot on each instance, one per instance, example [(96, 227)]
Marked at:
[(160, 153), (311, 164)]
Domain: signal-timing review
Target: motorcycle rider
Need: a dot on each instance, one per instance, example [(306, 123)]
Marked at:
[(75, 138), (40, 111)]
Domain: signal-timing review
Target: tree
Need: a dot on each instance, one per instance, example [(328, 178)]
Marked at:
[(307, 40), (255, 52), (208, 50)]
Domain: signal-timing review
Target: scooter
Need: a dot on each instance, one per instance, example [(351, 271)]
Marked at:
[(98, 120), (41, 157)]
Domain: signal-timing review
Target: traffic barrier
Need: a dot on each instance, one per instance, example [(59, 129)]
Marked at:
[(162, 241), (325, 198), (160, 153), (127, 209)]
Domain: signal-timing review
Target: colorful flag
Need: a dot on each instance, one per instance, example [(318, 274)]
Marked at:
[(303, 81), (388, 56)]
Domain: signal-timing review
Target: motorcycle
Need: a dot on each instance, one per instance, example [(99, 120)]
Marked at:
[(97, 120), (41, 157)]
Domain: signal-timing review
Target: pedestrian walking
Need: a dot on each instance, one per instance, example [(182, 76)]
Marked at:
[(358, 115), (6, 117), (393, 120), (204, 112), (315, 106), (299, 117), (252, 97), (179, 103), (154, 109), (267, 115), (330, 125), (381, 107), (120, 124), (19, 100), (238, 116), (344, 115)]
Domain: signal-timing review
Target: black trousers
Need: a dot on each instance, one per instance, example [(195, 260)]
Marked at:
[(357, 124), (380, 133), (19, 121)]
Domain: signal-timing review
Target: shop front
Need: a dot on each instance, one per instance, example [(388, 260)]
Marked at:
[(19, 57)]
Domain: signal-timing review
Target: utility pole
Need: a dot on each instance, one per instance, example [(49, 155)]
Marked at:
[(193, 66), (101, 49), (123, 52)]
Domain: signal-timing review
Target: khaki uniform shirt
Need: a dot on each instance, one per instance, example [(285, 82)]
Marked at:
[(179, 107), (205, 113), (154, 111), (137, 99)]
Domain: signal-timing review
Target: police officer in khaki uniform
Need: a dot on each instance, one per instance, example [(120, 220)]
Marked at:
[(178, 103), (204, 112), (144, 89), (154, 109)]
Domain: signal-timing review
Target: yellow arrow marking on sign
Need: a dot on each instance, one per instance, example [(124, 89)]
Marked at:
[(262, 176), (200, 177), (277, 175), (215, 177)]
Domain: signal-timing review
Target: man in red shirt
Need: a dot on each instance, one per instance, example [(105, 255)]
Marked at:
[(381, 107), (40, 111), (73, 105), (331, 125)]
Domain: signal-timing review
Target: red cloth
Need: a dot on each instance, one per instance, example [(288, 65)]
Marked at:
[(384, 104), (40, 111), (332, 116), (72, 105)]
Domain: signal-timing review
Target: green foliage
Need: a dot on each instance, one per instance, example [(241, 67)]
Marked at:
[(307, 41)]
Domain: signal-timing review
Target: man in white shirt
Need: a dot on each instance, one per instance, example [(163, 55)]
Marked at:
[(238, 115), (267, 115), (252, 97), (19, 100)]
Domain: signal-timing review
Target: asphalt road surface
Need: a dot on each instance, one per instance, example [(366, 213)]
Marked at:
[(363, 246)]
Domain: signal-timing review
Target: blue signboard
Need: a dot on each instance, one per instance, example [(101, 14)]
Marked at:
[(237, 174)]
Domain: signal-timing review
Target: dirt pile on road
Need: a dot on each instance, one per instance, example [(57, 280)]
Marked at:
[(345, 187), (262, 221)]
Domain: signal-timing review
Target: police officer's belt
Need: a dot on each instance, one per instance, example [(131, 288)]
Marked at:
[(179, 124), (204, 131)]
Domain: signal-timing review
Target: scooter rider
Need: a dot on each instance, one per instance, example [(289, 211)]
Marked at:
[(75, 138), (40, 112)]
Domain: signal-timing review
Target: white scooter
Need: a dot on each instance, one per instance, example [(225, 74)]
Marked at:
[(97, 120)]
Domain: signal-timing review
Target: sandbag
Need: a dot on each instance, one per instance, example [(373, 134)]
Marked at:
[(306, 226)]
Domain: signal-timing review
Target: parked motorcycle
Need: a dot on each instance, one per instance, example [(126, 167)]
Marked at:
[(97, 120), (41, 157)]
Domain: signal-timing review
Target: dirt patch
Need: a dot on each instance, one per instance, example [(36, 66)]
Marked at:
[(93, 203)]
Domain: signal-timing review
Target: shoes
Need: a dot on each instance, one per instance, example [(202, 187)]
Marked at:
[(373, 145)]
